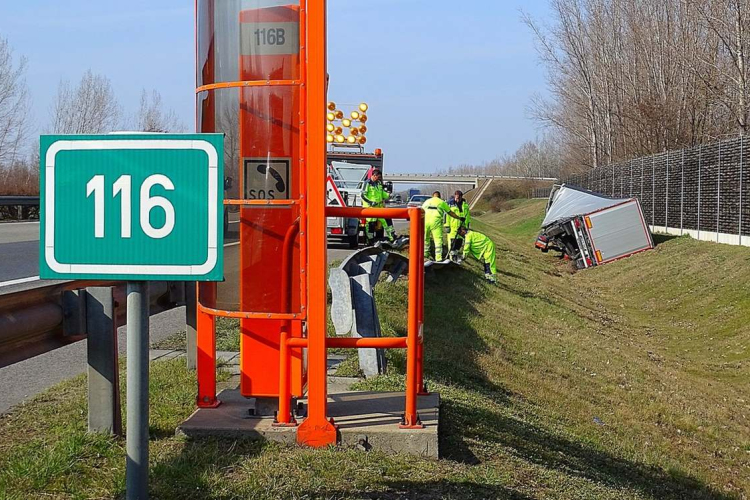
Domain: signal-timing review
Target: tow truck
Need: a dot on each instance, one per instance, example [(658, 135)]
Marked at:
[(349, 167)]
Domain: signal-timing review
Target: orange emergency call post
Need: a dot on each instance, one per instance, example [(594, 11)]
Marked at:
[(262, 82)]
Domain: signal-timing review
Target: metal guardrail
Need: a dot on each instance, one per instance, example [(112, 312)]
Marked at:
[(19, 201), (44, 318)]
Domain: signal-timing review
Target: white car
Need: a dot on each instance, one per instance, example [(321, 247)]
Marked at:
[(417, 200)]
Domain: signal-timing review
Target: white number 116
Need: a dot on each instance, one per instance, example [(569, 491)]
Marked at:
[(122, 187)]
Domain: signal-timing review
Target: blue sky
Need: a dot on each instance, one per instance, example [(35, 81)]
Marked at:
[(447, 82)]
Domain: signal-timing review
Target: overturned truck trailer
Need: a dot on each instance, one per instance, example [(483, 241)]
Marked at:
[(592, 229)]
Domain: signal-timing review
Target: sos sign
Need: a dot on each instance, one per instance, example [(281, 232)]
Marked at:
[(132, 207), (266, 179)]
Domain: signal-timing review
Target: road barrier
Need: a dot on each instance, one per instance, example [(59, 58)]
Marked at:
[(44, 318), (353, 308), (19, 202)]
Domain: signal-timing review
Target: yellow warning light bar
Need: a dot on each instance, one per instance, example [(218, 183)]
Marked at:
[(338, 121)]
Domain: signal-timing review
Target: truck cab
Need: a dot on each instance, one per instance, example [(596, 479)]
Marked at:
[(349, 171)]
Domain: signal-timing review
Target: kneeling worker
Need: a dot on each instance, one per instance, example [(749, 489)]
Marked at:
[(481, 248), (434, 210)]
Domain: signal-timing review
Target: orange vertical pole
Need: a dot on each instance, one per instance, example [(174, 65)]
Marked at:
[(284, 415), (411, 418), (316, 430), (206, 348), (422, 388)]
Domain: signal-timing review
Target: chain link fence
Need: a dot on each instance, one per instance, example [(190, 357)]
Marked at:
[(701, 191)]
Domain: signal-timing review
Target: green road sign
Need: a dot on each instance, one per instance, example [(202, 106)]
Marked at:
[(132, 207)]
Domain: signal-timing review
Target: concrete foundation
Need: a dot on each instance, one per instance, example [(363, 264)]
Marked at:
[(367, 420)]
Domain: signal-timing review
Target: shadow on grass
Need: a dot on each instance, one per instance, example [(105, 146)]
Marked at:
[(660, 238), (452, 351), (417, 490), (200, 467)]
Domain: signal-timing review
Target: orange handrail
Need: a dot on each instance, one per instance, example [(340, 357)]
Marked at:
[(248, 83), (355, 342)]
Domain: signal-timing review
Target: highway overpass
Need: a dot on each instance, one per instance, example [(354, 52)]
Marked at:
[(470, 179)]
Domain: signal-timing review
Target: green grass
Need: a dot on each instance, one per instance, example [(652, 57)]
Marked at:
[(626, 381), (227, 337)]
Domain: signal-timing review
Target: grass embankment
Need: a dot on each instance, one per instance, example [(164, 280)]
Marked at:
[(626, 381)]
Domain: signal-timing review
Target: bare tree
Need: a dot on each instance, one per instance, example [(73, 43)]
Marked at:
[(89, 108), (729, 21), (152, 117), (635, 77), (14, 105)]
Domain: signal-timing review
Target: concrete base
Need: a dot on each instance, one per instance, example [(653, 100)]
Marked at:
[(367, 420)]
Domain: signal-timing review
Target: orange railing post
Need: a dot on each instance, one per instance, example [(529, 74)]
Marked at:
[(284, 415), (206, 348), (316, 430), (411, 417), (421, 387)]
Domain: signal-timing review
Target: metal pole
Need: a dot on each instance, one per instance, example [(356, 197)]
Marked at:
[(682, 190), (191, 322), (700, 161), (136, 472), (718, 195), (740, 207), (666, 198), (103, 376)]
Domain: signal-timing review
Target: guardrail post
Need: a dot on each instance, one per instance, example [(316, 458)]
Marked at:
[(20, 212), (103, 374), (191, 331)]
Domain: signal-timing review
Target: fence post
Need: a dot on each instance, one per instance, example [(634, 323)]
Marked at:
[(740, 228), (700, 158), (103, 374), (666, 198), (682, 190), (653, 192), (718, 194), (630, 193), (640, 195)]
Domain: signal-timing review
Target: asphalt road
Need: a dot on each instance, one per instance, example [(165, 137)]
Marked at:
[(19, 251), (19, 255)]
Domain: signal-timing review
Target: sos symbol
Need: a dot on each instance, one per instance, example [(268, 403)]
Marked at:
[(266, 180)]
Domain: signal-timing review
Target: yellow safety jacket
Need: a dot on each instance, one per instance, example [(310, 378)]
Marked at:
[(434, 210)]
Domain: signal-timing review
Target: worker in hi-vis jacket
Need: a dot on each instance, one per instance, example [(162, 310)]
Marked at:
[(374, 195), (481, 248), (434, 211), (460, 207)]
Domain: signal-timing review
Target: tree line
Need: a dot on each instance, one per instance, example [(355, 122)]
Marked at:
[(89, 106), (629, 78)]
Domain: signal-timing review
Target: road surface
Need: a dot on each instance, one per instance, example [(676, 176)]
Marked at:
[(19, 268)]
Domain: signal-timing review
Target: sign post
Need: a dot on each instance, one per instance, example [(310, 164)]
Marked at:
[(133, 207)]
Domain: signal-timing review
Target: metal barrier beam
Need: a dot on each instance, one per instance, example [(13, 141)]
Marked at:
[(33, 321)]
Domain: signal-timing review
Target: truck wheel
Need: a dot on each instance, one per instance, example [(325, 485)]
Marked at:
[(353, 240)]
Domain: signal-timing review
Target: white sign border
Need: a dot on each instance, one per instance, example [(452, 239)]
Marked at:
[(124, 269)]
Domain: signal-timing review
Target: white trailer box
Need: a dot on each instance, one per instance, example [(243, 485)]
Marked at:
[(591, 228)]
